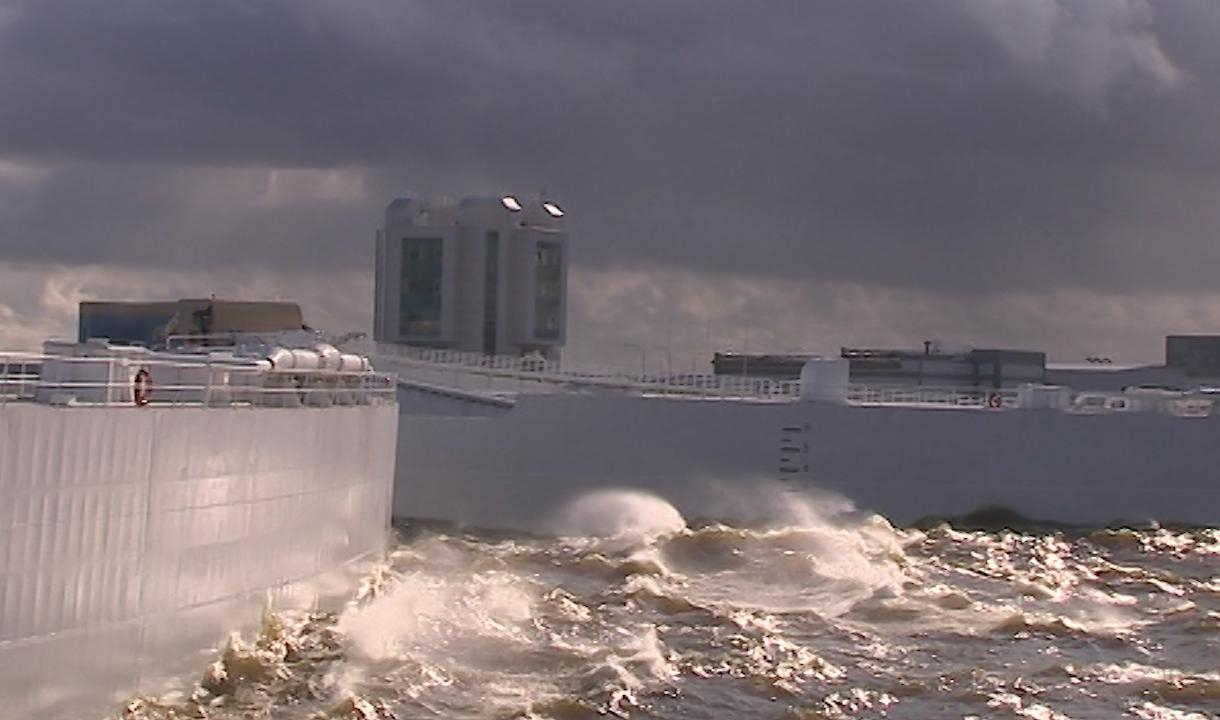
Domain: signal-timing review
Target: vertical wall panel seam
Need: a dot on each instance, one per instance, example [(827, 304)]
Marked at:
[(142, 563)]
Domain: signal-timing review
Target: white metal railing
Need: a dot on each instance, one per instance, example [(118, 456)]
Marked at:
[(474, 371), (934, 396), (183, 381), (228, 340), (19, 375), (500, 375), (1183, 404)]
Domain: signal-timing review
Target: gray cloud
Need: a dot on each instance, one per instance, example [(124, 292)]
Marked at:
[(666, 317), (1085, 47), (39, 300), (960, 147), (680, 317)]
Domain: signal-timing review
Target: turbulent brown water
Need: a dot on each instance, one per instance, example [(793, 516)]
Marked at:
[(797, 619)]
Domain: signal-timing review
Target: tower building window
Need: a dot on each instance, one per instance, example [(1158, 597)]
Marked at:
[(491, 290), (548, 295), (420, 301)]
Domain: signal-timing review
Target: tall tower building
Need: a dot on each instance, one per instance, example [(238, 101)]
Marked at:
[(487, 274)]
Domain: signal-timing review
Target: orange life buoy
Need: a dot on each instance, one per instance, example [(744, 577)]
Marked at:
[(994, 401), (141, 388)]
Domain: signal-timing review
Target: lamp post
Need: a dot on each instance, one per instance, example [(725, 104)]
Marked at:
[(669, 344)]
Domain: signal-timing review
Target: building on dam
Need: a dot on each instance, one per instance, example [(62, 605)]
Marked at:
[(486, 274)]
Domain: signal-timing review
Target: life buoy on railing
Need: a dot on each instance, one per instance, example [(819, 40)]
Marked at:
[(141, 387), (994, 401)]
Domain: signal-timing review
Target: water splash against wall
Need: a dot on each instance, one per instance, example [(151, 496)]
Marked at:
[(813, 615)]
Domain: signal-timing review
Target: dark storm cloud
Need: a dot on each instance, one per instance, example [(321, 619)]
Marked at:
[(958, 146), (185, 218)]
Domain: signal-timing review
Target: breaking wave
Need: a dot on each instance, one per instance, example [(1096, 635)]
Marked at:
[(625, 514), (814, 611)]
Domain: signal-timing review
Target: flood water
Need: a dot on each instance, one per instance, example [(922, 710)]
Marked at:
[(800, 618)]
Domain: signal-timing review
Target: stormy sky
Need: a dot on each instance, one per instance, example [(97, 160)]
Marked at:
[(783, 175)]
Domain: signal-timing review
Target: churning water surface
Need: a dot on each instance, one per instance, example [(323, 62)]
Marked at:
[(633, 612)]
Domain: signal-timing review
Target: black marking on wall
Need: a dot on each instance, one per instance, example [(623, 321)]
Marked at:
[(794, 451)]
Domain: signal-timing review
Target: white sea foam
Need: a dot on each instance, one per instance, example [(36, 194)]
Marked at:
[(425, 612), (804, 553), (624, 514), (810, 614)]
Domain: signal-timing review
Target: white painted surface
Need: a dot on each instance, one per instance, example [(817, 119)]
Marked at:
[(709, 457), (133, 540), (826, 380)]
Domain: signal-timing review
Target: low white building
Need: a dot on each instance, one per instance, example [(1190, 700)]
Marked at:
[(487, 274)]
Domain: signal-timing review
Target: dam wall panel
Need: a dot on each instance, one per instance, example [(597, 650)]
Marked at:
[(709, 459), (134, 539)]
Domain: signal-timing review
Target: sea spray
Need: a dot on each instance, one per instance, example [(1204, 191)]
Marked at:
[(802, 553), (619, 514), (801, 615), (424, 611)]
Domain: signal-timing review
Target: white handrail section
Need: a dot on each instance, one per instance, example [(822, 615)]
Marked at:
[(183, 381), (468, 370), (499, 374), (994, 399)]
